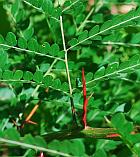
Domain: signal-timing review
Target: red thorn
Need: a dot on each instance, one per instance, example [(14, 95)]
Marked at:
[(117, 135), (31, 122), (112, 135), (85, 103), (41, 154)]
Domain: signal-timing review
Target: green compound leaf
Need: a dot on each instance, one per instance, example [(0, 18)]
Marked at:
[(12, 134), (134, 138), (11, 39), (18, 75), (119, 122), (3, 58), (15, 8), (22, 43), (28, 33), (1, 73), (54, 50), (38, 76), (40, 142), (36, 3), (65, 86), (11, 138), (48, 80), (6, 94), (28, 138), (108, 27), (16, 11), (47, 7), (124, 65), (74, 42), (100, 152), (7, 75), (94, 30), (89, 76), (99, 73), (33, 45), (74, 147), (111, 68), (134, 60), (60, 65), (28, 76), (114, 37), (98, 18), (135, 38), (56, 84), (1, 39), (45, 48), (83, 35), (114, 69), (80, 18)]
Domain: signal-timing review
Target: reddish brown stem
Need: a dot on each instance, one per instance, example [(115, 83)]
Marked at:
[(27, 120), (31, 113)]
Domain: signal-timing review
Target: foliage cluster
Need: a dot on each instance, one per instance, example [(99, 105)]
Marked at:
[(42, 54)]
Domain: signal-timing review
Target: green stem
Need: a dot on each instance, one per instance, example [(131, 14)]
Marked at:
[(84, 22), (88, 132), (51, 30), (67, 71), (67, 8), (95, 133), (48, 71)]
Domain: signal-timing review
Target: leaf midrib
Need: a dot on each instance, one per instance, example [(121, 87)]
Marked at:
[(30, 51), (133, 18), (22, 144), (115, 72)]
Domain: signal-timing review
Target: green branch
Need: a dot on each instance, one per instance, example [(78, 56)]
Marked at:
[(48, 71), (94, 133)]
